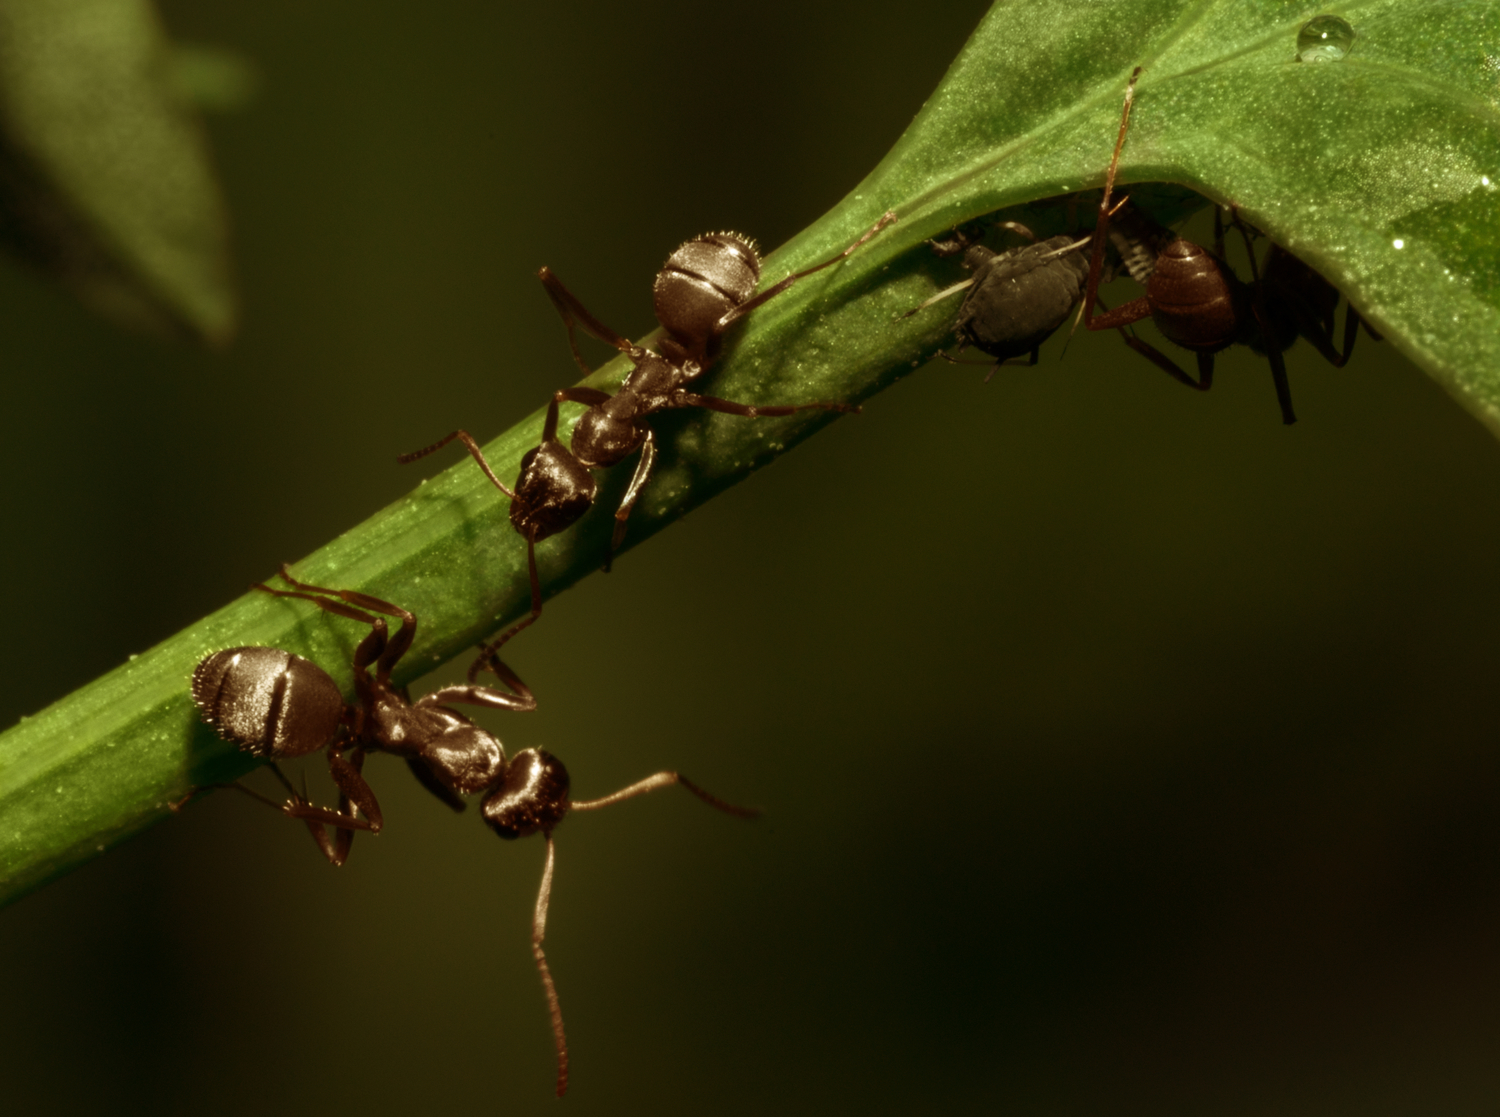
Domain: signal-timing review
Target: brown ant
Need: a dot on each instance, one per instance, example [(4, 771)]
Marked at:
[(1200, 304), (1017, 298), (277, 705), (705, 288)]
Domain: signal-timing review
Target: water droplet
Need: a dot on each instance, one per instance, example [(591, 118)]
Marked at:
[(1324, 39), (1398, 243)]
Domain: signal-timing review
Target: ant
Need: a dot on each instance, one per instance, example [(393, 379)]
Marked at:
[(1200, 304), (706, 287), (276, 705), (1017, 298)]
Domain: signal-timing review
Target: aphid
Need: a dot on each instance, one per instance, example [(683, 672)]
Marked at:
[(1198, 302), (1017, 298), (704, 289), (276, 705)]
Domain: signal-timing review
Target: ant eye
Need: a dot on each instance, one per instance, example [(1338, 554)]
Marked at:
[(533, 797)]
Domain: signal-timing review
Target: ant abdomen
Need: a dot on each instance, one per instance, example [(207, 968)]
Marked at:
[(271, 703), (533, 798), (1194, 300), (701, 282)]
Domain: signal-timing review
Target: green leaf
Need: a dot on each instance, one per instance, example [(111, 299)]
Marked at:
[(104, 177), (1335, 160), (1381, 170)]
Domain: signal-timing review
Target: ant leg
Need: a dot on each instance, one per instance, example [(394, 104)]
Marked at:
[(469, 444), (377, 646), (388, 653), (632, 494), (489, 658), (665, 779), (1123, 315), (1262, 319), (538, 933), (352, 786), (1101, 226), (1205, 379), (729, 319), (298, 806), (589, 397), (573, 312)]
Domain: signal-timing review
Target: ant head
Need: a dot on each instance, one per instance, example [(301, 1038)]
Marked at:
[(533, 796), (552, 492), (700, 283), (269, 702)]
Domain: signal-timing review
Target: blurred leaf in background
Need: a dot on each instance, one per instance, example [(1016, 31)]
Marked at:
[(105, 182)]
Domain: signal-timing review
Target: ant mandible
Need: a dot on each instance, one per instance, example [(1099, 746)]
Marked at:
[(704, 289), (1200, 304), (276, 705), (1017, 298)]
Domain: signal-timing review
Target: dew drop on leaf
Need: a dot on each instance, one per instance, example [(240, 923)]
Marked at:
[(1324, 39)]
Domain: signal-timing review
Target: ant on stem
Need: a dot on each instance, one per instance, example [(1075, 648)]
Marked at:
[(706, 287)]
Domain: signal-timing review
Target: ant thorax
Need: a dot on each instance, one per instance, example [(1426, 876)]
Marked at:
[(609, 433), (460, 754)]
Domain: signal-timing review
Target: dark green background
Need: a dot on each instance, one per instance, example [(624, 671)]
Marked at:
[(1122, 750)]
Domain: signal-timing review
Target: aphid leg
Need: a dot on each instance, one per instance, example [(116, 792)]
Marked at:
[(940, 296), (1036, 355)]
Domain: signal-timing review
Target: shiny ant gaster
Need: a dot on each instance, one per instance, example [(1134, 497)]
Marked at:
[(276, 705)]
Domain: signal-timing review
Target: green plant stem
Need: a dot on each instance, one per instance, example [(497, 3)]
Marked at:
[(107, 760)]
